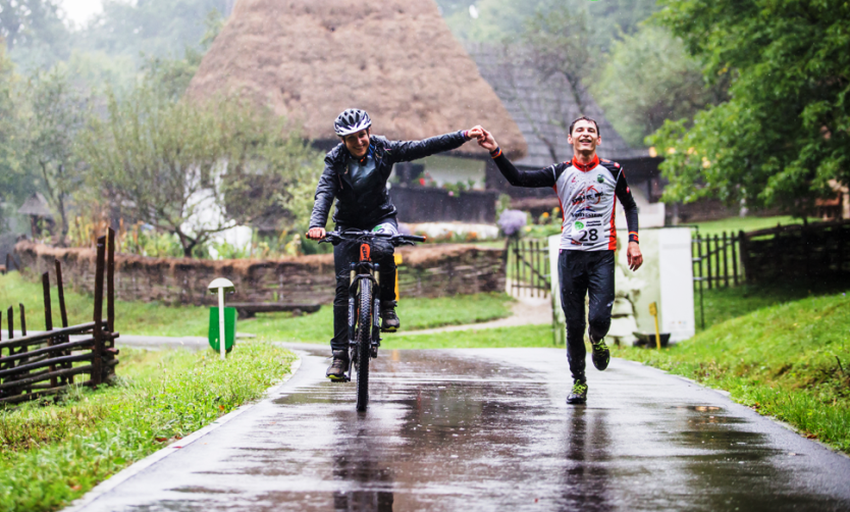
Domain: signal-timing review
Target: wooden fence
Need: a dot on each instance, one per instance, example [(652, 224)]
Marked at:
[(717, 260), (48, 363), (819, 251), (528, 267)]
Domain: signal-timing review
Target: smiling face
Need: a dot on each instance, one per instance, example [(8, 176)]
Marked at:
[(357, 143), (584, 138)]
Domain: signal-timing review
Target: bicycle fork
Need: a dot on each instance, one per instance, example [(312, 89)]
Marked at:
[(364, 269)]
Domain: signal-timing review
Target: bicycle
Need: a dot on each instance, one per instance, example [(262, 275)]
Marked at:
[(364, 312)]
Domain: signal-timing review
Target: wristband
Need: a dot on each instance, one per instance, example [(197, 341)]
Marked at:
[(633, 237), (496, 153)]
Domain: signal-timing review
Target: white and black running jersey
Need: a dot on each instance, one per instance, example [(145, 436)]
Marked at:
[(588, 196)]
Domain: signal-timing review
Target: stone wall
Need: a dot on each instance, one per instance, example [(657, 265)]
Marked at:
[(426, 271)]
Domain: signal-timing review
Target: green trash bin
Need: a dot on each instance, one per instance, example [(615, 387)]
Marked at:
[(229, 329)]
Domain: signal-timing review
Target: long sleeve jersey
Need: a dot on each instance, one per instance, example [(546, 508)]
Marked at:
[(361, 189), (587, 195)]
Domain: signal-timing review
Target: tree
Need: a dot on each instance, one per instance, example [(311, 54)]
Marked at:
[(542, 75), (195, 168), (34, 32), (12, 184), (649, 78), (56, 112), (153, 28), (784, 133), (500, 20)]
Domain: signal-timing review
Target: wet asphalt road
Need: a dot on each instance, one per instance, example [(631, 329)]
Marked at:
[(490, 430)]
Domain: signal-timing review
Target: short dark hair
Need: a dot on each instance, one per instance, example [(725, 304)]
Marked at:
[(585, 118)]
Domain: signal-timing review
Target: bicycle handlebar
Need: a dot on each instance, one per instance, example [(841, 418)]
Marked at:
[(335, 237)]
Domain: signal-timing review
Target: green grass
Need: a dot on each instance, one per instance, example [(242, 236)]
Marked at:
[(154, 319), (52, 454), (789, 360), (735, 224), (414, 313), (520, 336), (722, 304)]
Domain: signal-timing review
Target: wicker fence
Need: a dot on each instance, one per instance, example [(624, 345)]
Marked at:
[(49, 362)]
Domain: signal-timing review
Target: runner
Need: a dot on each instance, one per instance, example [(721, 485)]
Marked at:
[(586, 187), (356, 173)]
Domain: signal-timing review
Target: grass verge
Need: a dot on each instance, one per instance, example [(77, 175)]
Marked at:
[(735, 224), (520, 336), (723, 304), (790, 361), (154, 319), (52, 454)]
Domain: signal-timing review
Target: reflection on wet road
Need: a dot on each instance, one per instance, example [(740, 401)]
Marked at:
[(487, 430)]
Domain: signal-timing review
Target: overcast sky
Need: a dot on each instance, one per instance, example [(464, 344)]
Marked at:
[(79, 11)]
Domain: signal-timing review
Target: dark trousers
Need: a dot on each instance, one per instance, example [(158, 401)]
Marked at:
[(344, 254), (585, 273)]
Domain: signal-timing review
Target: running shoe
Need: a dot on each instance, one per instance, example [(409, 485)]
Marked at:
[(578, 395), (600, 355)]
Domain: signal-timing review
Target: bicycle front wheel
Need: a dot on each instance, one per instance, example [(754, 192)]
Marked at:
[(364, 342)]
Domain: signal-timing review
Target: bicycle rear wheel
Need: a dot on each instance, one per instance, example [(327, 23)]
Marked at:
[(364, 342)]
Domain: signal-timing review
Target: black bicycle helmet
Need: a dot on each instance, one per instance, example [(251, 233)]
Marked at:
[(351, 120)]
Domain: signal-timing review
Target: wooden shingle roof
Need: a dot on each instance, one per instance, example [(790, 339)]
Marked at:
[(543, 108)]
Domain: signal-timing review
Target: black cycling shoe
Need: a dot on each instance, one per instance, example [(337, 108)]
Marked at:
[(389, 320), (600, 355), (336, 371), (578, 395)]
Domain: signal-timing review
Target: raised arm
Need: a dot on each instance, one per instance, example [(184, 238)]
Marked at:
[(405, 151), (541, 178)]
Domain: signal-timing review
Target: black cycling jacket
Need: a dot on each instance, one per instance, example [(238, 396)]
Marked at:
[(368, 209)]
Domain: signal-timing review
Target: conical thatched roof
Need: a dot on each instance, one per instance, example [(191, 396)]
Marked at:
[(311, 59), (36, 205)]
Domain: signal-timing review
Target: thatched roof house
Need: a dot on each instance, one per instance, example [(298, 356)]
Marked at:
[(311, 59)]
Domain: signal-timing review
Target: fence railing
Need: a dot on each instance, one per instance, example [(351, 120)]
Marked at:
[(48, 362), (717, 259), (528, 267)]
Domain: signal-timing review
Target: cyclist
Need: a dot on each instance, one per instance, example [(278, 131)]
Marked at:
[(356, 173), (586, 187)]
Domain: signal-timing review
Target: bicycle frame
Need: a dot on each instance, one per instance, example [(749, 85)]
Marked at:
[(362, 269), (364, 312)]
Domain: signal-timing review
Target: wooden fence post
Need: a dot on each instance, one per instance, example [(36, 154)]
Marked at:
[(735, 241), (63, 313), (97, 360), (110, 280), (48, 318), (745, 255), (708, 265), (23, 320), (725, 261)]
